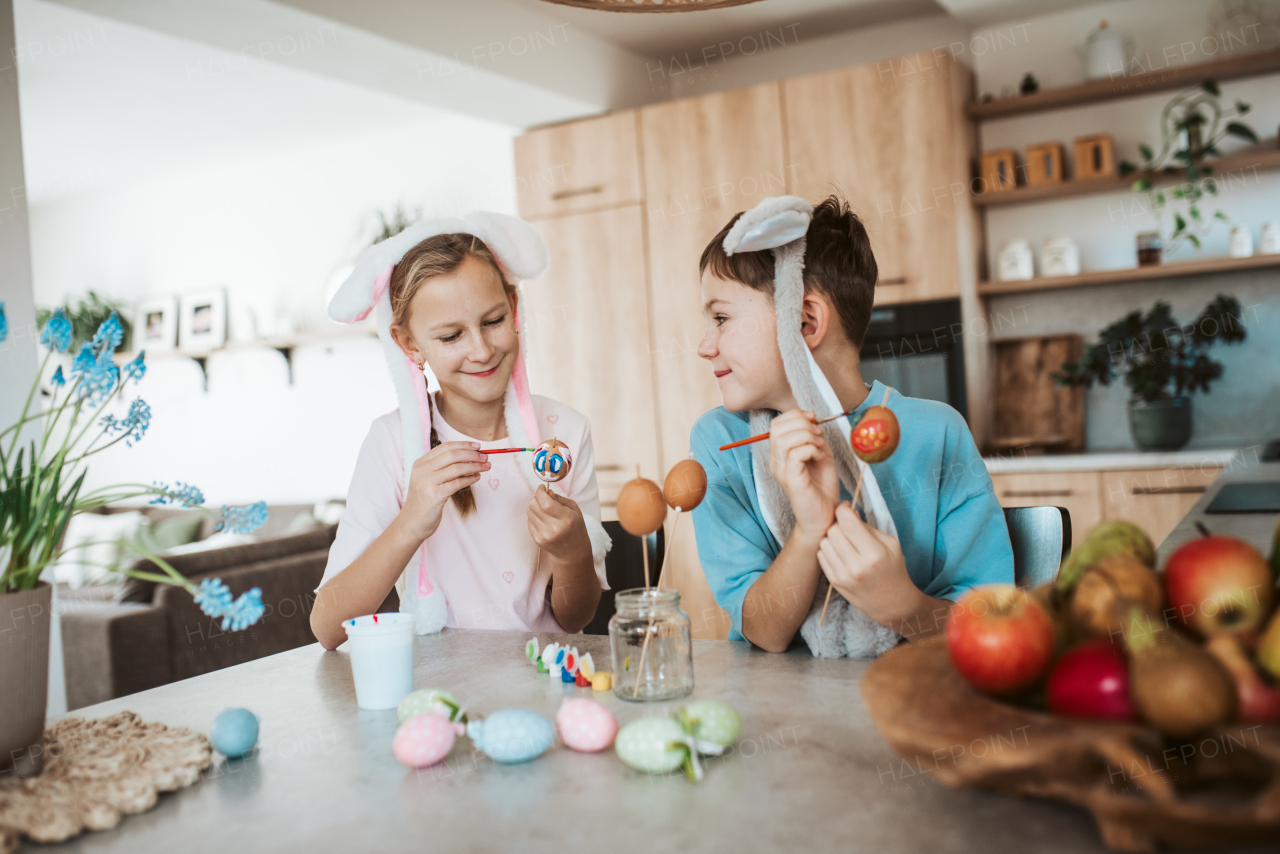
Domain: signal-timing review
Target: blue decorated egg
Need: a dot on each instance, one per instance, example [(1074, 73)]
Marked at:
[(234, 732), (426, 701), (647, 745), (512, 735)]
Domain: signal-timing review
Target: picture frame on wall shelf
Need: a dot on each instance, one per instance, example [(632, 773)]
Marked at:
[(203, 325), (155, 324)]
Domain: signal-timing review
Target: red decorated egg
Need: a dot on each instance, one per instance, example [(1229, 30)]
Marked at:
[(875, 437)]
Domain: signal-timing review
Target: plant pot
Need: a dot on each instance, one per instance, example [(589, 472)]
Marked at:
[(24, 678), (1160, 425)]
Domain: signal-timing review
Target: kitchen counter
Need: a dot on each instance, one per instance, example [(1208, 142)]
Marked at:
[(1118, 460), (810, 771), (1254, 528)]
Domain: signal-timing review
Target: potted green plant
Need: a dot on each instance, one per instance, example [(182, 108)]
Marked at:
[(42, 471), (1163, 362), (1192, 125), (86, 316)]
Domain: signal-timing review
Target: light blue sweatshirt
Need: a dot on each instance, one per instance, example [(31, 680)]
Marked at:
[(936, 486)]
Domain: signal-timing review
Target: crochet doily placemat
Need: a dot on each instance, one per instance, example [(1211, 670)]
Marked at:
[(96, 772)]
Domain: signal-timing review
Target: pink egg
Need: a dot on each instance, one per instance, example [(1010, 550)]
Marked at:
[(425, 739), (585, 725)]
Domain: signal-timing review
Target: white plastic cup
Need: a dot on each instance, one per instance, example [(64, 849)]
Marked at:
[(381, 649)]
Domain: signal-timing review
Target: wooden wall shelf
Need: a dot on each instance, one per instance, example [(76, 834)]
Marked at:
[(1159, 80), (1131, 274), (1241, 164)]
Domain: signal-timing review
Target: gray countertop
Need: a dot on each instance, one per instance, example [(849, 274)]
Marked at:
[(1116, 460), (1253, 528), (809, 773)]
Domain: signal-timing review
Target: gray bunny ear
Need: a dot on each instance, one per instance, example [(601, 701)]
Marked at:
[(775, 221), (778, 230)]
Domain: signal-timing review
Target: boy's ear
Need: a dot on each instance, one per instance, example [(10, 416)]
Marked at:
[(815, 319)]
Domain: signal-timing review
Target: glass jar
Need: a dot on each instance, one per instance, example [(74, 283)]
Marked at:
[(652, 652)]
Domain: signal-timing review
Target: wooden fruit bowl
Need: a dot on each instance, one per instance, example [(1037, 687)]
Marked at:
[(1143, 791)]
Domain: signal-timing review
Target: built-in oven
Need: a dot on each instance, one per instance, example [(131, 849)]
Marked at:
[(918, 349)]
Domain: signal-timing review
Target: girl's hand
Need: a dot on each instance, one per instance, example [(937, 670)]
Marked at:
[(556, 525), (804, 466), (435, 477), (867, 567)]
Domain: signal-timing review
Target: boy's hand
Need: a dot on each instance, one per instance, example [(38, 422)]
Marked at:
[(804, 466), (556, 525), (435, 477), (867, 567)]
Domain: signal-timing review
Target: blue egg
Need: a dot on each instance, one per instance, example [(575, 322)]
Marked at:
[(234, 732), (512, 735)]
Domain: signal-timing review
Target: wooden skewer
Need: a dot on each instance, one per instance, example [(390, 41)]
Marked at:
[(856, 490), (667, 555)]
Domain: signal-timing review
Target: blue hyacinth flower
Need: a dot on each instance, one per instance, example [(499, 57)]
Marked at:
[(244, 612), (181, 493), (56, 334), (243, 519), (136, 369), (133, 426), (108, 336), (213, 597), (4, 324), (58, 379)]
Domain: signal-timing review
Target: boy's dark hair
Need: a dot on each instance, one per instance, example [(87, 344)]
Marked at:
[(837, 262)]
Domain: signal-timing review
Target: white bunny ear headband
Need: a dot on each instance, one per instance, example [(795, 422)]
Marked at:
[(521, 254), (780, 223)]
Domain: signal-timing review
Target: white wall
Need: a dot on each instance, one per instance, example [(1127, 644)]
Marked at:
[(1241, 408), (276, 233)]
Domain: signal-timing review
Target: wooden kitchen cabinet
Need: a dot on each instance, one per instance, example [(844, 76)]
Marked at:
[(704, 159), (892, 137), (588, 338), (1078, 491), (576, 166), (1155, 499)]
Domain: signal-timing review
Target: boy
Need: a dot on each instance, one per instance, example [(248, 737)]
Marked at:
[(787, 290)]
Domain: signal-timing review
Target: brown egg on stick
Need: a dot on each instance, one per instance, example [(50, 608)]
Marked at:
[(685, 486), (641, 507)]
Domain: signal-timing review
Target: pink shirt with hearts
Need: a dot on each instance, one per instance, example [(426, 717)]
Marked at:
[(485, 564)]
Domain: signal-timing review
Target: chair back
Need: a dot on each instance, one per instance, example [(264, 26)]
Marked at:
[(624, 568), (1041, 538)]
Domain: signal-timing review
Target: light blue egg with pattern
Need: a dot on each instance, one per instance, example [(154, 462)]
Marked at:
[(512, 735)]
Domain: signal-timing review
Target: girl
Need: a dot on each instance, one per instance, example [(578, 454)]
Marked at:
[(468, 540)]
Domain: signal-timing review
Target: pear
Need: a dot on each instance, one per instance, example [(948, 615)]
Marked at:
[(1055, 605), (1176, 685), (1268, 653), (1106, 583), (1110, 538), (1274, 560)]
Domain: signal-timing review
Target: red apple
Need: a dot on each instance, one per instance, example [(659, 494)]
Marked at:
[(1218, 584), (1257, 698), (1000, 640), (1091, 681)]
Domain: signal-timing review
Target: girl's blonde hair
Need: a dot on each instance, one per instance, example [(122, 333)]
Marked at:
[(438, 256)]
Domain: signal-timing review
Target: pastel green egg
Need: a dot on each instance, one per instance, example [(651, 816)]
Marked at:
[(426, 700), (646, 745), (714, 722)]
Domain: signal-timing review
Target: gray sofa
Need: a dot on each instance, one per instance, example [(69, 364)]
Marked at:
[(137, 635)]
